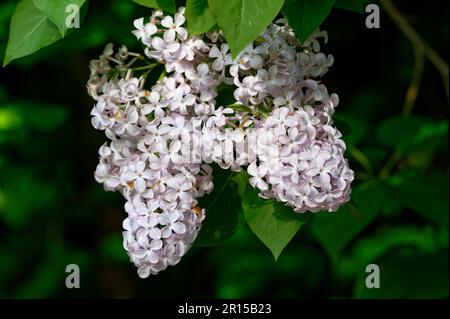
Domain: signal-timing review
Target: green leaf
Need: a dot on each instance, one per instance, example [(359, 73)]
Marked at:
[(352, 5), (358, 127), (165, 5), (305, 16), (240, 108), (111, 247), (408, 276), (242, 21), (48, 271), (32, 115), (22, 195), (30, 30), (272, 222), (407, 134), (335, 230), (10, 119), (199, 17), (241, 180), (55, 11), (376, 155), (368, 249), (426, 195), (223, 210), (225, 95), (6, 11), (147, 3)]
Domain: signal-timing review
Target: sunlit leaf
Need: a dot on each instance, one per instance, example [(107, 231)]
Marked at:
[(243, 20), (166, 5), (58, 11), (199, 17), (30, 30)]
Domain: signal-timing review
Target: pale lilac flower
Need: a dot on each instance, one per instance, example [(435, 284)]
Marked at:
[(174, 27), (155, 105), (254, 56), (285, 135), (138, 174), (268, 81), (172, 223), (222, 58), (162, 49), (257, 173), (144, 31)]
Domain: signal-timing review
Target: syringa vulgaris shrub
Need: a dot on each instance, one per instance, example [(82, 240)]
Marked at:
[(239, 88)]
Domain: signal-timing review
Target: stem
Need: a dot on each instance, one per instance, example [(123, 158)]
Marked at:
[(132, 61), (113, 60), (363, 176), (162, 75), (138, 55), (390, 164), (362, 159), (145, 67), (355, 213), (231, 124), (421, 50), (418, 42), (146, 73), (414, 86)]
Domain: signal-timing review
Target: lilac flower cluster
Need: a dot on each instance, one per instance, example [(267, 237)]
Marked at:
[(164, 137), (300, 160)]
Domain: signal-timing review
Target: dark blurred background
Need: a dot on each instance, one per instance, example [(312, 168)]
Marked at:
[(53, 213)]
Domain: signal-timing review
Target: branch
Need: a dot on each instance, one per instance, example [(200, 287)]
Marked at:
[(361, 159), (414, 86), (419, 43), (421, 50)]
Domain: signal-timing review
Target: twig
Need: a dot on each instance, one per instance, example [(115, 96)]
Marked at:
[(421, 50), (418, 42), (414, 86), (361, 159), (145, 67), (390, 164)]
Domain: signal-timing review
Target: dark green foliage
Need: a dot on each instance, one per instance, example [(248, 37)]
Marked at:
[(52, 213), (224, 210)]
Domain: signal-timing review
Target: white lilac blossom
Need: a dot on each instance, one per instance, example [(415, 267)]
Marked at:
[(161, 189), (300, 161), (163, 137)]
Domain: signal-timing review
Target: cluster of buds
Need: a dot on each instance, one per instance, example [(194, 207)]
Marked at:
[(163, 137)]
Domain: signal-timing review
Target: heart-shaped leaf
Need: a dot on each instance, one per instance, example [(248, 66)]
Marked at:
[(59, 11), (243, 20), (30, 30), (223, 210), (304, 16), (272, 222), (199, 17)]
